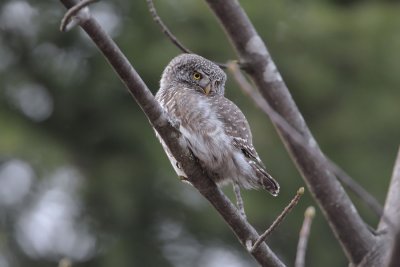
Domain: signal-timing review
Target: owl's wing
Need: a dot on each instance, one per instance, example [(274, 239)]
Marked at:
[(237, 127)]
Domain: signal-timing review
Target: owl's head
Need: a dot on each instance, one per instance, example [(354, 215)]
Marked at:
[(194, 72)]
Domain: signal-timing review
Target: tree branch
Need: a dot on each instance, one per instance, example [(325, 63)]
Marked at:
[(391, 213), (390, 220), (303, 237), (394, 260), (169, 34), (356, 188), (65, 22), (299, 139), (138, 89), (164, 28), (279, 219), (349, 228)]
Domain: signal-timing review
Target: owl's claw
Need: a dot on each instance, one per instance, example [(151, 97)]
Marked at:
[(178, 165), (183, 178)]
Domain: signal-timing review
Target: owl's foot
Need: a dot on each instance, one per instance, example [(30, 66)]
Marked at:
[(178, 165), (239, 200), (183, 178)]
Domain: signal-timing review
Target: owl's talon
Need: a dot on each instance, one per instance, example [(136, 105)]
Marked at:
[(178, 165), (183, 178)]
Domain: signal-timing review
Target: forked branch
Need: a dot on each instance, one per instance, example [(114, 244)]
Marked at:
[(66, 20), (346, 223), (358, 190), (138, 89), (278, 220), (300, 140)]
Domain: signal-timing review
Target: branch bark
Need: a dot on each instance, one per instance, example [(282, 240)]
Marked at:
[(164, 28), (347, 225), (394, 260), (298, 138), (142, 95), (279, 219), (387, 249), (391, 213), (303, 237), (389, 224), (169, 34)]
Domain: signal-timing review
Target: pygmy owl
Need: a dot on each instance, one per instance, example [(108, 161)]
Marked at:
[(216, 131)]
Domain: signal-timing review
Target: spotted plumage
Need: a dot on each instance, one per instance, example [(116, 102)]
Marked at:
[(216, 131)]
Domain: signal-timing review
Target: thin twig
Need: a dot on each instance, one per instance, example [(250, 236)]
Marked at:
[(356, 188), (72, 12), (296, 136), (239, 200), (303, 237), (169, 34), (278, 219), (165, 29)]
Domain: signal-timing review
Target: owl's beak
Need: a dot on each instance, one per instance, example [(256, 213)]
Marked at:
[(207, 89), (206, 85)]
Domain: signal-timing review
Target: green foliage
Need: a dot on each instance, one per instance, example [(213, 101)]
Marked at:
[(339, 61)]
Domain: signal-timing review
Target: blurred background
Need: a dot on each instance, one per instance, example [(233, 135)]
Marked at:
[(83, 177)]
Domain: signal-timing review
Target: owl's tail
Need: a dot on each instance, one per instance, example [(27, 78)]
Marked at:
[(267, 182)]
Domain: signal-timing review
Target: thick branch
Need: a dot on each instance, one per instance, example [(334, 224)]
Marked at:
[(299, 139), (340, 212), (391, 213), (390, 221), (394, 260), (243, 230)]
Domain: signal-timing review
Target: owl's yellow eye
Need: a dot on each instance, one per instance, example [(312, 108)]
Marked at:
[(196, 76)]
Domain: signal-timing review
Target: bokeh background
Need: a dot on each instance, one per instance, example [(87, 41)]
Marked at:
[(83, 177)]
